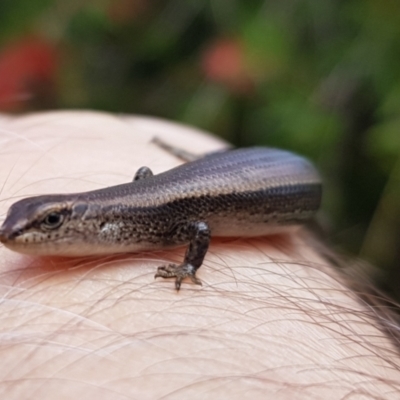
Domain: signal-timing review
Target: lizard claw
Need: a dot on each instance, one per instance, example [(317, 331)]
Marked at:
[(179, 272)]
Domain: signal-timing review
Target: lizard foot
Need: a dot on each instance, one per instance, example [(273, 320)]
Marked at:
[(179, 272)]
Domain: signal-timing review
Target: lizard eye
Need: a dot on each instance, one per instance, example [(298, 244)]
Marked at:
[(52, 220)]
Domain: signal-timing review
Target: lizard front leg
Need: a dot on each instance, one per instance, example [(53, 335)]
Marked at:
[(199, 233)]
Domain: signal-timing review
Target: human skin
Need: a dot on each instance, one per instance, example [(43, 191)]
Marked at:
[(272, 319)]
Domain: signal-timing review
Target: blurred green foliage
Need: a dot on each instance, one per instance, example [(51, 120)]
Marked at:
[(321, 77)]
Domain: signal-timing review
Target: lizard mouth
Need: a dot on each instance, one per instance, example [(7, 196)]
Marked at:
[(3, 236), (6, 236), (10, 230)]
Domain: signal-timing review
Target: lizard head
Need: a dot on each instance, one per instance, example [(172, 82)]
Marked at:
[(41, 225)]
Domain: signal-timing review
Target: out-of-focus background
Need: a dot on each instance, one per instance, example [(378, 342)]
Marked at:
[(320, 77)]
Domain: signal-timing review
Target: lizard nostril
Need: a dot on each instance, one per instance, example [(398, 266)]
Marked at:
[(6, 236)]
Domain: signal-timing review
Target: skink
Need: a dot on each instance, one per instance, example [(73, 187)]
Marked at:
[(245, 192)]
